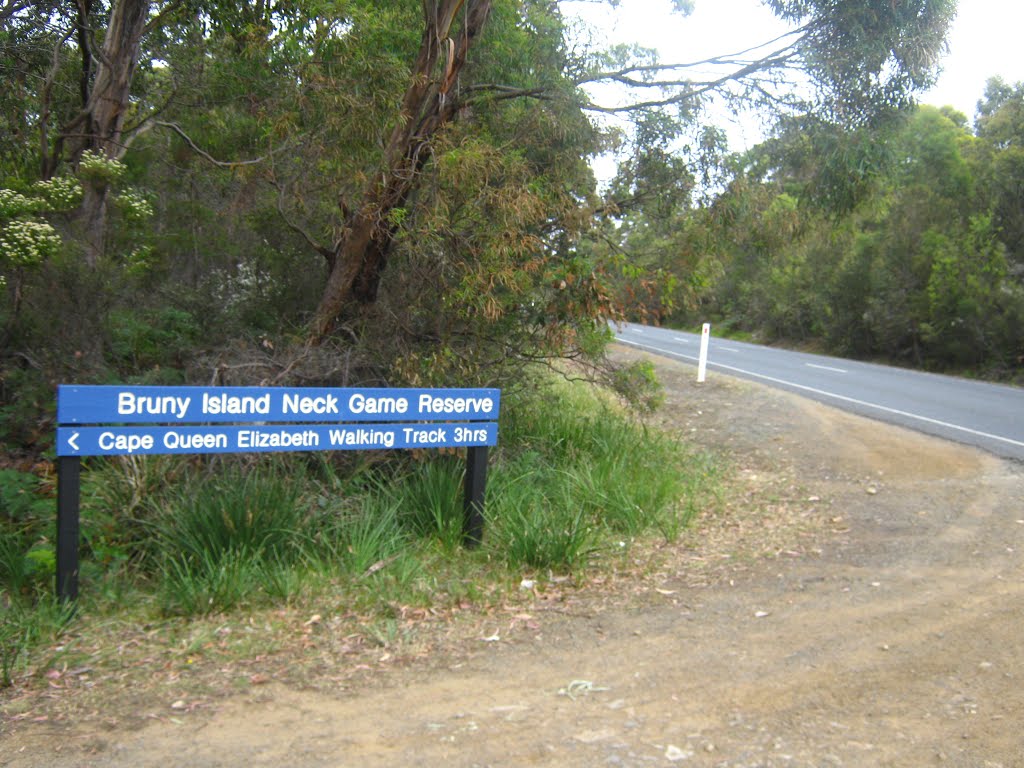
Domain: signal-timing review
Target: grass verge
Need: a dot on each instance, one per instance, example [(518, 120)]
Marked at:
[(216, 560)]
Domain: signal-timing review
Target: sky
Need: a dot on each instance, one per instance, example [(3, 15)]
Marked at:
[(984, 41)]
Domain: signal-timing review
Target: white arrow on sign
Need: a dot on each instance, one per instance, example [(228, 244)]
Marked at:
[(71, 442)]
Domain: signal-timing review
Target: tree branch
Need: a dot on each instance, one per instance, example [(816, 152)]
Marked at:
[(203, 153), (329, 254), (10, 7), (775, 58), (693, 89), (158, 20), (498, 92), (50, 159)]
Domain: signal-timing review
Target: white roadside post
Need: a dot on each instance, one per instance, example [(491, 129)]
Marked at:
[(702, 365)]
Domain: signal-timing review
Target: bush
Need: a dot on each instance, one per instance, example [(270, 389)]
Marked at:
[(221, 538), (576, 470), (26, 556)]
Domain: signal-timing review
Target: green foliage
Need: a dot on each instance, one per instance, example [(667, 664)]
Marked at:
[(220, 539), (210, 582), (871, 50), (911, 264), (146, 339), (26, 555), (581, 473), (372, 535), (639, 385), (258, 514), (20, 499), (539, 530), (428, 501), (26, 238), (121, 497)]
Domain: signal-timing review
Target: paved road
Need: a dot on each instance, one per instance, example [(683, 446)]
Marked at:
[(990, 416)]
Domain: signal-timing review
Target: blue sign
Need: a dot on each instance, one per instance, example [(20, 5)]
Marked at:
[(204, 405), (265, 438)]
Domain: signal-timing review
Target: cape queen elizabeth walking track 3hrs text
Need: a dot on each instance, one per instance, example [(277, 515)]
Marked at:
[(221, 419)]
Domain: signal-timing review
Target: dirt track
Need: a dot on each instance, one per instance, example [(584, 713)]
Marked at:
[(863, 609)]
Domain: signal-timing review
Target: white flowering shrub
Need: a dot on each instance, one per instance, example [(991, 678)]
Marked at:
[(25, 238), (62, 193), (243, 286), (134, 205), (139, 261), (95, 166), (27, 242), (13, 204)]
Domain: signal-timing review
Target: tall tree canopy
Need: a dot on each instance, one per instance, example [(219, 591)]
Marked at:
[(406, 183), (918, 263)]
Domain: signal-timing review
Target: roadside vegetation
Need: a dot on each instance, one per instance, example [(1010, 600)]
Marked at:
[(575, 482), (920, 261), (401, 194)]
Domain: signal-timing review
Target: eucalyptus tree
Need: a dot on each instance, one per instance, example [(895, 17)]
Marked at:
[(448, 138), (1000, 126)]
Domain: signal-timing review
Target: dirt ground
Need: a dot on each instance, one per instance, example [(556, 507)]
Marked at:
[(857, 601)]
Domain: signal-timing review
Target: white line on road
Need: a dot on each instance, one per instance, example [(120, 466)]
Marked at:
[(844, 398), (825, 367), (681, 339), (725, 349)]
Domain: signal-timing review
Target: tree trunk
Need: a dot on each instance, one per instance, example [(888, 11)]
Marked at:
[(101, 122), (428, 104)]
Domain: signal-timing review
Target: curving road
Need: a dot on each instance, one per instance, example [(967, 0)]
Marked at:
[(990, 416)]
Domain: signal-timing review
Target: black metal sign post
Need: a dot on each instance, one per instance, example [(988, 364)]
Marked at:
[(68, 495), (146, 420), (474, 487)]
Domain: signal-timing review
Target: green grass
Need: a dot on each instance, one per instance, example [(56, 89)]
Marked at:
[(428, 499), (24, 626), (579, 475)]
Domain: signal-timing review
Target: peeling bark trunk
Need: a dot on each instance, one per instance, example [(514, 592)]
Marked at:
[(361, 255), (101, 122)]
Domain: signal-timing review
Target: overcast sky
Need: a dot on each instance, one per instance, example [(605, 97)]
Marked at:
[(984, 40)]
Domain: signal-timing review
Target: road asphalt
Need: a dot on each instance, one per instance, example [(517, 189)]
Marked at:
[(989, 416)]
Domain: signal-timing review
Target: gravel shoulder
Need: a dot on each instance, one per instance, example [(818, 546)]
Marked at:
[(856, 600)]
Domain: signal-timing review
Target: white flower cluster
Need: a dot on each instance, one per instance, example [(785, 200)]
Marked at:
[(134, 205), (16, 204), (97, 166), (245, 284), (24, 242), (61, 193)]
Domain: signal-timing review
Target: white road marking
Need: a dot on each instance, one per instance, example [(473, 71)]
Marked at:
[(844, 398), (681, 339), (825, 367)]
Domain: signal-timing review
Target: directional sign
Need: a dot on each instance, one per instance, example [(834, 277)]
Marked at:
[(204, 405), (141, 421), (144, 441)]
